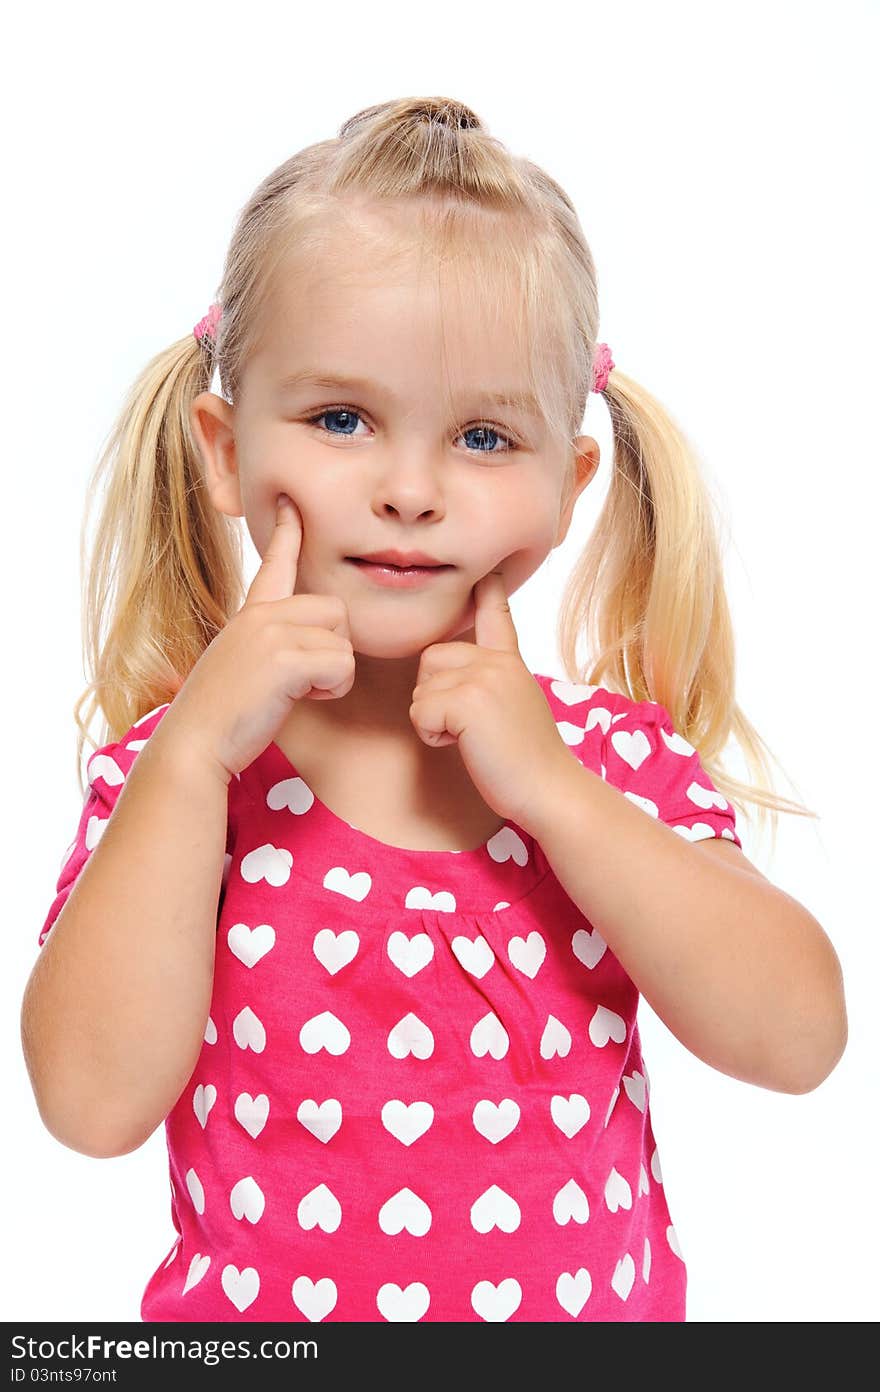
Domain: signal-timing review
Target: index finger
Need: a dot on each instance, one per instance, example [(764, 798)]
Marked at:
[(493, 625), (276, 577)]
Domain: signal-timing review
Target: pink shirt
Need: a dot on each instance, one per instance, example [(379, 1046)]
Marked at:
[(421, 1093)]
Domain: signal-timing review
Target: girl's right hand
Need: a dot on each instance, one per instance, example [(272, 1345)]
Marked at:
[(279, 647)]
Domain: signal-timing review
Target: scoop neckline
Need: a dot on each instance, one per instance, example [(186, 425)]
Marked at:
[(320, 812)]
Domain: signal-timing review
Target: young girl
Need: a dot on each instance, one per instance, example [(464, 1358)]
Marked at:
[(358, 905)]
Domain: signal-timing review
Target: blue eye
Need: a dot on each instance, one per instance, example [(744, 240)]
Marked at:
[(482, 427)]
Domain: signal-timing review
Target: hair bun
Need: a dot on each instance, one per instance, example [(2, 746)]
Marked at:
[(441, 111), (445, 111)]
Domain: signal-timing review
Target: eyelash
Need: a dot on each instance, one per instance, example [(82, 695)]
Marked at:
[(478, 425)]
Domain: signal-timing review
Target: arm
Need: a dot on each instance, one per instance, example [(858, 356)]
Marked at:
[(739, 971), (114, 1011)]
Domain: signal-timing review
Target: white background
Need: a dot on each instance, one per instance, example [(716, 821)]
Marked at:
[(722, 160)]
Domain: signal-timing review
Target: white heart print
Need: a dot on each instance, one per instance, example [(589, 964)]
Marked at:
[(496, 1122), (672, 1239), (706, 797), (496, 1303), (573, 1291), (323, 1121), (290, 794), (571, 693), (197, 1268), (407, 1124), (495, 1209), (241, 1287), (204, 1097), (700, 831), (247, 1200), (421, 898), (605, 1025), (314, 1299), (677, 743), (624, 1275), (571, 1204), (105, 766), (475, 955), (489, 1036), (527, 954), (644, 803), (617, 1192), (94, 832), (570, 733), (570, 1113), (398, 1305), (635, 1089), (556, 1039), (588, 947), (614, 1096), (410, 1036), (335, 950), (248, 1031), (250, 944), (196, 1190), (507, 844), (324, 1031), (355, 886), (267, 862), (633, 746), (655, 1166), (251, 1112), (319, 1207), (405, 1210), (410, 955)]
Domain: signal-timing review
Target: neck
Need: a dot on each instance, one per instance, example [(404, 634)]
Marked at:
[(377, 706)]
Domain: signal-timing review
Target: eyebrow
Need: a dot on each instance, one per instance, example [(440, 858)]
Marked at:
[(315, 377)]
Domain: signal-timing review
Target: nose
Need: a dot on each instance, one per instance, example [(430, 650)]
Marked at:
[(408, 485)]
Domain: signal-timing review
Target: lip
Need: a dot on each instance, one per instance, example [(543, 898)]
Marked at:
[(398, 577), (404, 559)]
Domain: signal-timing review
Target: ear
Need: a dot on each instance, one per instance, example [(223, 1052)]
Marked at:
[(212, 421), (584, 465)]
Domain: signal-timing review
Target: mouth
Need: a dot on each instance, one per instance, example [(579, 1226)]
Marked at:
[(389, 565), (385, 573)]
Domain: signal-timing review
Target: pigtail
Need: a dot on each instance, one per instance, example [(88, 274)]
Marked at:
[(649, 590), (164, 572)]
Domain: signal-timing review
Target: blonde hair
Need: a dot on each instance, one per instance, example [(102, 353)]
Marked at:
[(166, 570)]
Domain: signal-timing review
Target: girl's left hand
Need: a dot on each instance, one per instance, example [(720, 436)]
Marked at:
[(483, 696)]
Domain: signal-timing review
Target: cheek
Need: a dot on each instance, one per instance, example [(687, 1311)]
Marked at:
[(525, 517), (528, 538), (519, 565)]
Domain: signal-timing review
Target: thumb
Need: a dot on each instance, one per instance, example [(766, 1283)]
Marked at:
[(276, 577)]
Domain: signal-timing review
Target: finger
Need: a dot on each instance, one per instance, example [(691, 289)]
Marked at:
[(276, 577), (493, 624)]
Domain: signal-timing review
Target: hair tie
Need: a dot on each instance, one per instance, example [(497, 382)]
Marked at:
[(602, 365), (207, 327), (602, 359)]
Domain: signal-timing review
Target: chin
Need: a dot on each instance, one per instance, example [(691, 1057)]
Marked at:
[(382, 645)]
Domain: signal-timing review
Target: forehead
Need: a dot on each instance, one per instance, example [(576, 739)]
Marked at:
[(395, 318)]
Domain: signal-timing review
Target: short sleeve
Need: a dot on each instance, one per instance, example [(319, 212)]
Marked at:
[(107, 770), (661, 772)]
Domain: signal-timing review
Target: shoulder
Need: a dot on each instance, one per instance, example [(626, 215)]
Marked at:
[(108, 765), (580, 708), (107, 769), (634, 746)]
